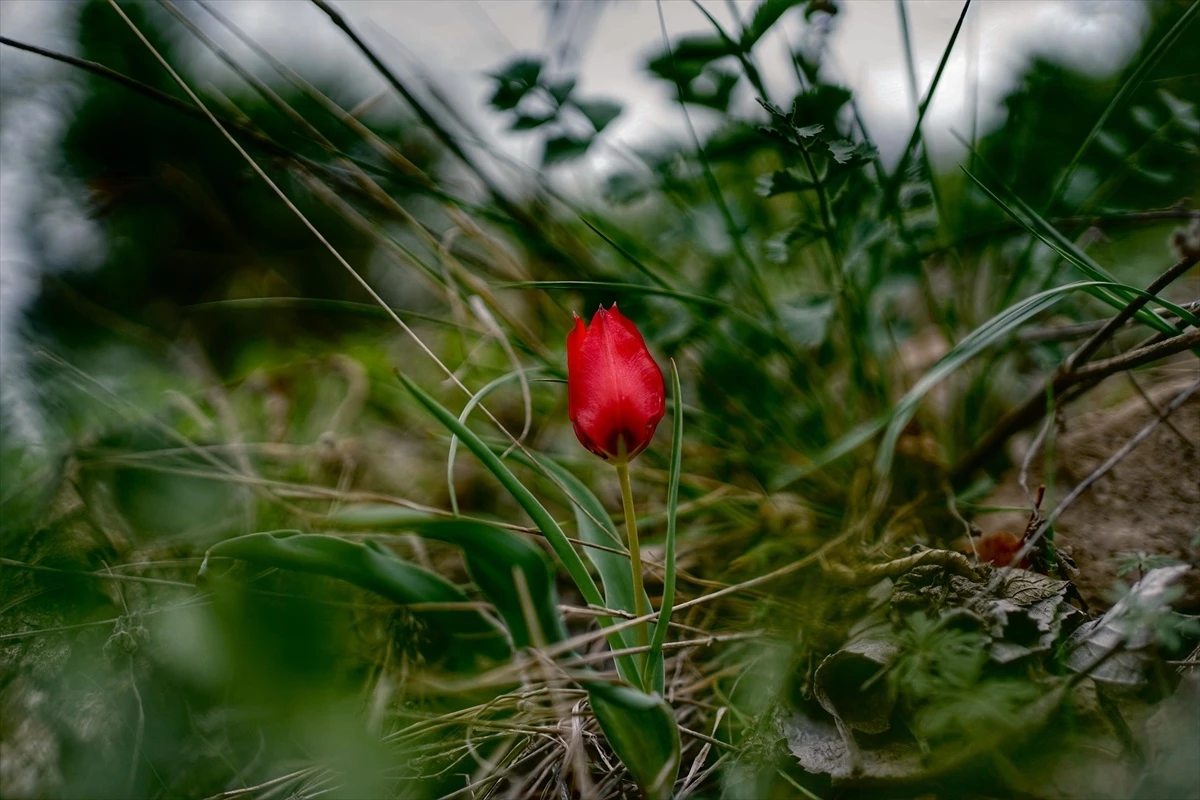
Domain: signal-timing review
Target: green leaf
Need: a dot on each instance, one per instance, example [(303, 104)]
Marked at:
[(783, 181), (765, 15), (643, 733), (712, 88), (371, 568), (537, 512), (527, 122), (819, 105), (691, 54), (492, 555), (1132, 81), (845, 151), (599, 112), (595, 526), (564, 148), (513, 81), (659, 634), (560, 90)]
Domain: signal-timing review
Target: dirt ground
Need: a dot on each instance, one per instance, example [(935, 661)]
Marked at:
[(1148, 503)]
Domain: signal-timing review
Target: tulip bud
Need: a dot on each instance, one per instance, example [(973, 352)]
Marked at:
[(615, 390)]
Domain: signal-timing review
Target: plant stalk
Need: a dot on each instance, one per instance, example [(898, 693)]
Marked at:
[(635, 552)]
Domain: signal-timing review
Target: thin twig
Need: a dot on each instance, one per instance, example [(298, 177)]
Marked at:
[(1139, 357), (1089, 348), (1100, 471), (1158, 412), (1068, 375), (1061, 333)]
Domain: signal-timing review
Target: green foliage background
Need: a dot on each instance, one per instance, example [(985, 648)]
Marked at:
[(221, 374)]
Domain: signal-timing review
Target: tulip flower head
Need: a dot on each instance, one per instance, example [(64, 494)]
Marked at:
[(615, 389)]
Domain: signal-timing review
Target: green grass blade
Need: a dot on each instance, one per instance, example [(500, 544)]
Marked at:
[(923, 105), (637, 263), (628, 288), (475, 400), (990, 333), (840, 448), (372, 568), (757, 284), (659, 634), (901, 166), (639, 727), (1052, 238), (1131, 83), (594, 526), (321, 304), (536, 511)]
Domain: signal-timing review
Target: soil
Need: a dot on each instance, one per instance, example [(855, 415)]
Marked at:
[(1148, 503)]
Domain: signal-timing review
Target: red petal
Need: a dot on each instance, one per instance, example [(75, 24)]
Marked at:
[(615, 389)]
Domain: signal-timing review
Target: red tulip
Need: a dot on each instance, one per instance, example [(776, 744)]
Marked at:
[(615, 390)]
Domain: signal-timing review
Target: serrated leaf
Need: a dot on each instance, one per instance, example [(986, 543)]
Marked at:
[(782, 182), (732, 141), (765, 15), (845, 151), (819, 105), (599, 112)]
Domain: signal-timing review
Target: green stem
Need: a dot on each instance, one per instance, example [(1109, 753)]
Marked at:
[(635, 552)]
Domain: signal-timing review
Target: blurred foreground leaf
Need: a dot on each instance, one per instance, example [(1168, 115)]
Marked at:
[(370, 567)]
